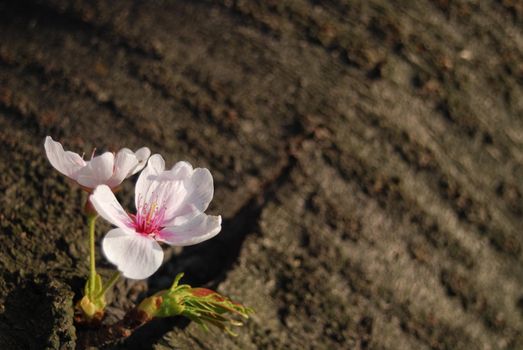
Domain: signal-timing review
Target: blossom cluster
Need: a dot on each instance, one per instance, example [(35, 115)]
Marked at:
[(170, 204)]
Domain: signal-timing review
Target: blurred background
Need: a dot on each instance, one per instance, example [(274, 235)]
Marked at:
[(367, 158)]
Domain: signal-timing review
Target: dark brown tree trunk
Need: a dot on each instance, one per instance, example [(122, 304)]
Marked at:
[(367, 157)]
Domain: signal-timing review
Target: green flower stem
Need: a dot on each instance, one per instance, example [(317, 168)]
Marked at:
[(91, 220), (110, 283)]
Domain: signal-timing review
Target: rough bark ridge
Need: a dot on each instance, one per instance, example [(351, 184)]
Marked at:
[(368, 162)]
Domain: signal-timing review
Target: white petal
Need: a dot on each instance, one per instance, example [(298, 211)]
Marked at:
[(107, 206), (135, 255), (182, 170), (141, 156), (155, 166), (199, 229), (168, 188), (68, 163), (124, 164), (97, 171), (199, 190)]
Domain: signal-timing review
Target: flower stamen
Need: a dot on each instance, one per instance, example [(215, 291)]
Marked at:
[(148, 219), (92, 154)]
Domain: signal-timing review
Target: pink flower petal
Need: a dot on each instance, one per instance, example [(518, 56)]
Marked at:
[(97, 171), (141, 155), (136, 256), (199, 190), (154, 167), (182, 170), (107, 206), (68, 163), (162, 188), (124, 164), (199, 229)]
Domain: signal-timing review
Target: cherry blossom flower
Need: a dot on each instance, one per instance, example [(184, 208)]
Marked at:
[(107, 168), (170, 206)]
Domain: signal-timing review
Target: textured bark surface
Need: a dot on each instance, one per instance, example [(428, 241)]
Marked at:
[(367, 157)]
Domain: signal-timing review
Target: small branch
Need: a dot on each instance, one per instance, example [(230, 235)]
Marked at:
[(109, 334)]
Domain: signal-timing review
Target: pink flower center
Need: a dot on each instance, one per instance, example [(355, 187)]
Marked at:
[(148, 219)]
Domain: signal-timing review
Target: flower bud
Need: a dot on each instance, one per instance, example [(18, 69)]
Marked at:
[(201, 305)]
